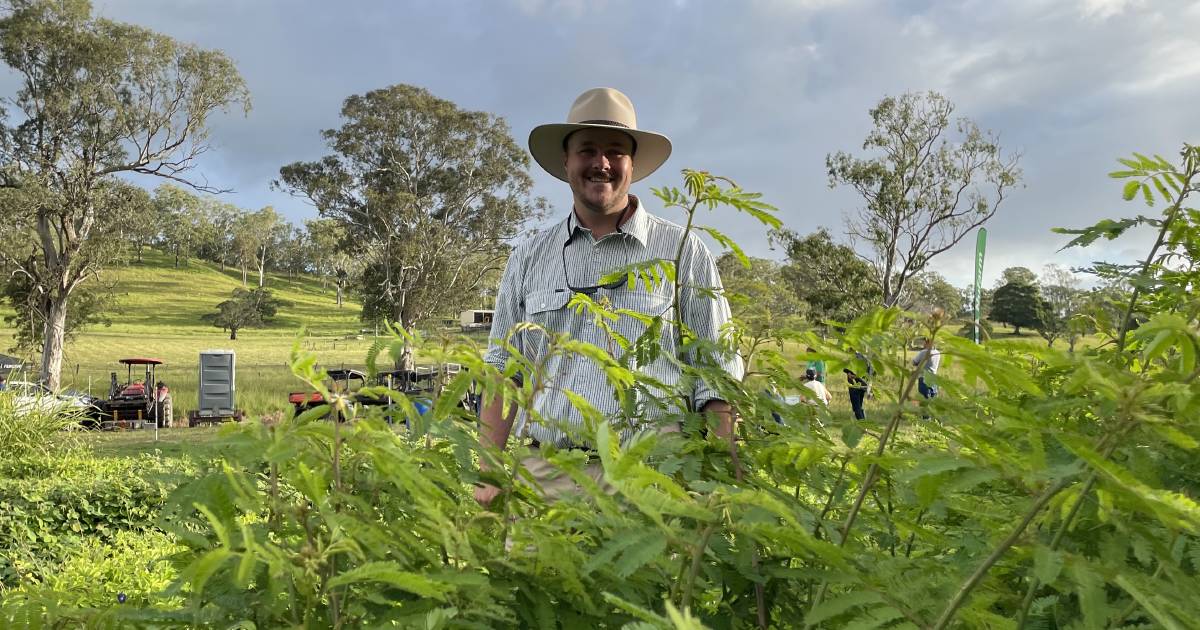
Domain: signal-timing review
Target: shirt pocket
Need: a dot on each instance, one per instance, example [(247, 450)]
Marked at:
[(546, 307), (649, 304)]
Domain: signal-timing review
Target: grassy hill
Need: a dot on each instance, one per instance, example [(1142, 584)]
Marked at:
[(159, 311)]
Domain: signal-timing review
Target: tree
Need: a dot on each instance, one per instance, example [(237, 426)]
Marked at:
[(247, 308), (97, 99), (1017, 304), (1017, 275), (430, 196), (929, 290), (217, 243), (184, 221), (924, 191), (759, 296), (329, 253), (827, 277), (141, 226), (293, 254), (1062, 304), (256, 236)]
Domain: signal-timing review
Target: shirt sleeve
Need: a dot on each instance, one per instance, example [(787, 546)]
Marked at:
[(705, 311), (509, 311)]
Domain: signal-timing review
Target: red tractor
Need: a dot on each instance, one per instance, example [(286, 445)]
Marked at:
[(136, 402)]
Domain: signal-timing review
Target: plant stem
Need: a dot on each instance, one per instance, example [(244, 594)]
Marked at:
[(869, 479), (1172, 213), (697, 554), (1107, 444), (833, 491), (1001, 549)]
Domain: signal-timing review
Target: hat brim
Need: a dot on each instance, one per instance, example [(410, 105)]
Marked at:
[(546, 146)]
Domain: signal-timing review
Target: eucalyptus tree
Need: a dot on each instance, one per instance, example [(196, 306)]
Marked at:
[(430, 195), (928, 181), (96, 99)]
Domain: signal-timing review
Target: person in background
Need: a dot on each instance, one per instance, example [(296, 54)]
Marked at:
[(858, 380), (163, 408), (928, 390), (3, 382), (816, 364), (817, 387)]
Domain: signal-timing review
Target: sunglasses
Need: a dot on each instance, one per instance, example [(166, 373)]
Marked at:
[(589, 290)]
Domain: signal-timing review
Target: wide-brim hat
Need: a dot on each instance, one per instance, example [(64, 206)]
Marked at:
[(598, 108)]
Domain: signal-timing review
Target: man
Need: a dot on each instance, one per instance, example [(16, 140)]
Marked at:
[(928, 390), (599, 152), (818, 389), (857, 378), (816, 364)]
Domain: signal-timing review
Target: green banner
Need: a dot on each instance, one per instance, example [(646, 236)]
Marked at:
[(980, 246)]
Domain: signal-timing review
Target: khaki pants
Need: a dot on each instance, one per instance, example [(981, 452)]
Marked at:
[(554, 484)]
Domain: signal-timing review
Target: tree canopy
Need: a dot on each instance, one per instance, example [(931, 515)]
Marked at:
[(1017, 304), (833, 282), (430, 196), (97, 98), (248, 308), (928, 181)]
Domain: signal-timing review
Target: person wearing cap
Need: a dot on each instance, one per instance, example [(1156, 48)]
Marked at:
[(598, 152), (819, 392)]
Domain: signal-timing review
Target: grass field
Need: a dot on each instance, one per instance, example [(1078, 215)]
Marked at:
[(160, 310), (159, 313)]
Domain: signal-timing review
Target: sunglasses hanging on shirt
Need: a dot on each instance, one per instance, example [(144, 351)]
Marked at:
[(591, 290)]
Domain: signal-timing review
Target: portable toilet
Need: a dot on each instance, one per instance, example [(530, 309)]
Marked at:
[(217, 389)]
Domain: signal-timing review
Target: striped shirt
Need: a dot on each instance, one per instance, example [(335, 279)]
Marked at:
[(534, 289)]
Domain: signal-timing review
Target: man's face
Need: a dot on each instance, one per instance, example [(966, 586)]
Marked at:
[(599, 169)]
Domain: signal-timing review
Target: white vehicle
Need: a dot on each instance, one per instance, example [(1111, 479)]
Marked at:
[(29, 396)]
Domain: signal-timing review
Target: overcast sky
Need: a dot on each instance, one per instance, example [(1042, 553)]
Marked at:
[(759, 91)]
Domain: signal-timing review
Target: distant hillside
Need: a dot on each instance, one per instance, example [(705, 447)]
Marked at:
[(154, 294), (159, 312)]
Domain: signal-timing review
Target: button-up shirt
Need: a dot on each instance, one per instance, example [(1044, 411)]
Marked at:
[(534, 289)]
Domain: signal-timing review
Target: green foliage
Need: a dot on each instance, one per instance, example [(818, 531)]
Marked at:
[(829, 278), (928, 181), (1043, 486), (51, 504), (1017, 304), (133, 564), (429, 196), (27, 428)]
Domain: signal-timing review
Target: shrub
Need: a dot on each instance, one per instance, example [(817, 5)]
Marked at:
[(50, 505), (27, 429)]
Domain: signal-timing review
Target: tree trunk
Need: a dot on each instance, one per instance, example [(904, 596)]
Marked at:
[(54, 336), (243, 275), (1016, 330), (260, 274), (406, 361), (176, 257), (339, 295), (233, 333)]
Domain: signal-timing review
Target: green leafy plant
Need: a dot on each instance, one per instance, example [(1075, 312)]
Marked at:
[(1040, 488)]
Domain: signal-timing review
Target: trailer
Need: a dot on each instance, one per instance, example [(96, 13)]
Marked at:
[(217, 391)]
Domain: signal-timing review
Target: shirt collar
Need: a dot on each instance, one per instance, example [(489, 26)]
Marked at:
[(637, 224)]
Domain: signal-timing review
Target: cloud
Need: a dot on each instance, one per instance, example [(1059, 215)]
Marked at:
[(759, 91), (1105, 9)]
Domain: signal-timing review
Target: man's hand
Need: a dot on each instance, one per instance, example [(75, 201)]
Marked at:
[(493, 433), (723, 414), (485, 493)]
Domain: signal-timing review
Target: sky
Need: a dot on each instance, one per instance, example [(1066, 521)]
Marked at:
[(758, 90)]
